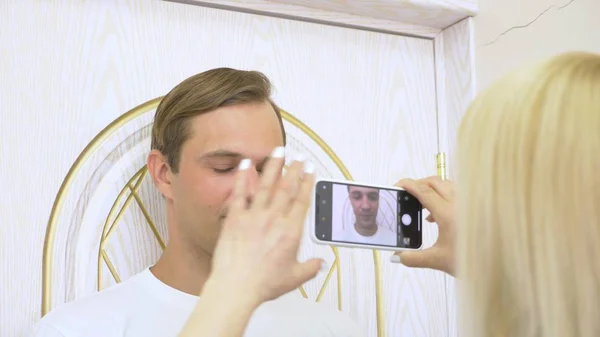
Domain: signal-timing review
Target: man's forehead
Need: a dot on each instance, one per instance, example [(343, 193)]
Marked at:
[(254, 146), (363, 189), (218, 134)]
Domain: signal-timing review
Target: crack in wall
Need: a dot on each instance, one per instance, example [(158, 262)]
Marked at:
[(568, 3), (529, 23)]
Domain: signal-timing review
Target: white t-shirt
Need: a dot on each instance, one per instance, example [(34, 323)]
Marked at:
[(383, 236), (144, 306)]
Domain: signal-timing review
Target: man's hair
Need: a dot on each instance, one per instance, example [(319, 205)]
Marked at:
[(202, 93)]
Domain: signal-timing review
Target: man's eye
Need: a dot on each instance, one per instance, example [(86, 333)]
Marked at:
[(223, 170)]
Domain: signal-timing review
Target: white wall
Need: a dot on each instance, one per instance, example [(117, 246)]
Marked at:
[(509, 33)]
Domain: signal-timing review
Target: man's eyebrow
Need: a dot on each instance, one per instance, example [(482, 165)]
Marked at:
[(228, 154), (220, 154)]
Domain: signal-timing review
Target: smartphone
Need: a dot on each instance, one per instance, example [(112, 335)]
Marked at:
[(350, 214)]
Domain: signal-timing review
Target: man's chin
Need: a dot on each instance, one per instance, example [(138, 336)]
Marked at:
[(367, 224)]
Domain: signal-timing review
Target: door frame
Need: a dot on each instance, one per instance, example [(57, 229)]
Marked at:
[(454, 67)]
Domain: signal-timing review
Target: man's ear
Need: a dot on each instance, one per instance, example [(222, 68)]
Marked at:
[(160, 171)]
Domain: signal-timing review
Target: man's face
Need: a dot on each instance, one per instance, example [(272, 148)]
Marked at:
[(219, 140), (365, 203)]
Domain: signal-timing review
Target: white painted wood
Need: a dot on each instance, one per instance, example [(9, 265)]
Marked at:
[(456, 82), (456, 87), (72, 68), (432, 13), (317, 13)]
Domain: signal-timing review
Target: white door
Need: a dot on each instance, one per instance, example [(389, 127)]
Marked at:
[(360, 104)]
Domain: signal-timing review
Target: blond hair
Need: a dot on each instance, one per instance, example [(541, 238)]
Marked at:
[(529, 203), (202, 93)]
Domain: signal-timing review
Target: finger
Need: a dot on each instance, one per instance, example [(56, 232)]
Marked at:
[(301, 203), (427, 196), (304, 272), (402, 182), (444, 188), (269, 178), (287, 188), (240, 189), (417, 259)]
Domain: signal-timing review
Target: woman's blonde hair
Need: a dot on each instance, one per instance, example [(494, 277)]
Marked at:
[(529, 203)]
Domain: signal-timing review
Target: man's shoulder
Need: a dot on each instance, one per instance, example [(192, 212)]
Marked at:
[(81, 316)]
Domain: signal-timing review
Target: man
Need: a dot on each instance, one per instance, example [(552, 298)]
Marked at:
[(365, 205), (202, 129)]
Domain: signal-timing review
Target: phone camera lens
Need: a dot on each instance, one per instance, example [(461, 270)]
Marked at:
[(324, 187), (324, 202)]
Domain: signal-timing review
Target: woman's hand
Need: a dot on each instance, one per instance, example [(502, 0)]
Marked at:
[(438, 197), (258, 246)]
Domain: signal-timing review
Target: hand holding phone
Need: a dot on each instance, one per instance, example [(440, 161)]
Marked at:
[(350, 214), (438, 197)]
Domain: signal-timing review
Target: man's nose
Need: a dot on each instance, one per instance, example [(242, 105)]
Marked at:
[(253, 182), (365, 205)]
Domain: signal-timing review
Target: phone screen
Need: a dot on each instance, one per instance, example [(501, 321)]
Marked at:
[(362, 214)]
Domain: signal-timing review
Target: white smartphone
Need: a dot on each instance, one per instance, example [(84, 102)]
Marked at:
[(351, 214)]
